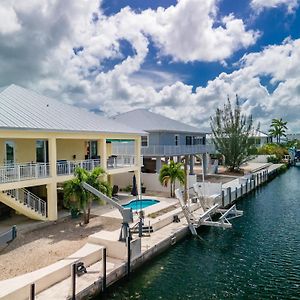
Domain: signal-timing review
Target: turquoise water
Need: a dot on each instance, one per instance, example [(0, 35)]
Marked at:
[(258, 259), (140, 204)]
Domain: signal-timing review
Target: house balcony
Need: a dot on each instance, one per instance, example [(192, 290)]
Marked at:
[(164, 150), (29, 171), (23, 171)]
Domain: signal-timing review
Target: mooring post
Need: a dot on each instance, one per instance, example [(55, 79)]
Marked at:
[(236, 192), (242, 190), (128, 256), (73, 276), (229, 194), (103, 269), (32, 291), (246, 187), (223, 199)]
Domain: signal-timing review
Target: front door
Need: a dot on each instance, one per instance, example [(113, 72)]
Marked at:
[(92, 150)]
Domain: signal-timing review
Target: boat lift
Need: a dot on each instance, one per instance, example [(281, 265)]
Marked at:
[(207, 217), (126, 212)]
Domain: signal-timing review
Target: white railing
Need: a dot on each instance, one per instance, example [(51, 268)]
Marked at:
[(162, 150), (166, 150), (68, 167), (120, 161), (29, 199), (24, 171)]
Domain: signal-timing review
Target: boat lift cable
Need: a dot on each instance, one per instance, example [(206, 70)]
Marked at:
[(126, 212)]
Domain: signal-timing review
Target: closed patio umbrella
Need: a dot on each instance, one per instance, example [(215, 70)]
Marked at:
[(134, 187)]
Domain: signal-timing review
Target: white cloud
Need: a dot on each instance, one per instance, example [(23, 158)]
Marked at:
[(38, 53), (259, 5), (9, 21)]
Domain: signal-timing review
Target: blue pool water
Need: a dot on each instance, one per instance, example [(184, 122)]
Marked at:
[(140, 204)]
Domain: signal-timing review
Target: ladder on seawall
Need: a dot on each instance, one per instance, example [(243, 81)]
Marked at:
[(223, 220)]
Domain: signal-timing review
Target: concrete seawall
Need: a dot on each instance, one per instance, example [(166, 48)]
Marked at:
[(165, 237)]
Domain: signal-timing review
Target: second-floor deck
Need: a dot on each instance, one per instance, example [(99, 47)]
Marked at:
[(28, 171), (163, 150)]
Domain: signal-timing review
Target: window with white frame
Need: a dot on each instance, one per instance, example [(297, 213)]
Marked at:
[(144, 141)]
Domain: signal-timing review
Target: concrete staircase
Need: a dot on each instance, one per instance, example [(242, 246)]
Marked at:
[(26, 203)]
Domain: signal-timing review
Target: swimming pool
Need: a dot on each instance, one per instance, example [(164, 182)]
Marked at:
[(140, 204)]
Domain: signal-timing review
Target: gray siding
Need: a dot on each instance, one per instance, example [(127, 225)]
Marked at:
[(168, 138)]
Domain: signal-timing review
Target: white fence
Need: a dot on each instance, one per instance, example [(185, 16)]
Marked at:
[(150, 181)]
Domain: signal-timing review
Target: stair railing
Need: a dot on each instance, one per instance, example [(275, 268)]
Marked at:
[(29, 199)]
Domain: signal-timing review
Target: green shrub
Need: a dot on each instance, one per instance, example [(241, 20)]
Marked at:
[(273, 159), (273, 149)]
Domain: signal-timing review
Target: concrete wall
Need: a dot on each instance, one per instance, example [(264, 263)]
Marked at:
[(260, 159), (149, 180), (67, 148), (24, 150)]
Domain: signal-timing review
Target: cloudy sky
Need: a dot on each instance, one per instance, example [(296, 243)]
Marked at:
[(178, 58)]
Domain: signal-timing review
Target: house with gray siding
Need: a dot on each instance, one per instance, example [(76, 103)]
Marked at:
[(167, 139)]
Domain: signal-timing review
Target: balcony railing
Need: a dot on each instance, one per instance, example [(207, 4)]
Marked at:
[(120, 161), (26, 171), (163, 150), (67, 167)]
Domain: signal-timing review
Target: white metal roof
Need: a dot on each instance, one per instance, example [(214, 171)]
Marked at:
[(149, 121), (24, 109)]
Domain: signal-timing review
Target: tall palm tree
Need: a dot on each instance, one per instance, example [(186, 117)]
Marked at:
[(278, 128), (75, 196), (170, 173)]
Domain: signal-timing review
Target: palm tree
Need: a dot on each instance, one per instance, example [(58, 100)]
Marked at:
[(170, 173), (76, 197), (278, 128)]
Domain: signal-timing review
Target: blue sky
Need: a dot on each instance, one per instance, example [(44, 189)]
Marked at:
[(178, 58)]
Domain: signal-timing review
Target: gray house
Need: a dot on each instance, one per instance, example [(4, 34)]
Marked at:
[(167, 139)]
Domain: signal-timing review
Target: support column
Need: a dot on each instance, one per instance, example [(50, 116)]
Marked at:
[(158, 164), (186, 183), (204, 164), (52, 187), (52, 201), (191, 164), (178, 158), (103, 155), (52, 153), (137, 146)]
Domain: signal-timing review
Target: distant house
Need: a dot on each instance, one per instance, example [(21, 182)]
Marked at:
[(167, 139), (293, 136), (260, 138)]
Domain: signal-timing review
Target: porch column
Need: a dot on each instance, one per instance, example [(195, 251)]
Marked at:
[(204, 164), (158, 164), (178, 158), (52, 201), (191, 164), (137, 150), (103, 155), (52, 156)]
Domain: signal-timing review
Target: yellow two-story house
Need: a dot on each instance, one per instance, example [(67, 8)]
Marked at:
[(42, 141)]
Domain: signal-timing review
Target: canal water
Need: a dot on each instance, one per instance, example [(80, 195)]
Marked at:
[(259, 258)]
